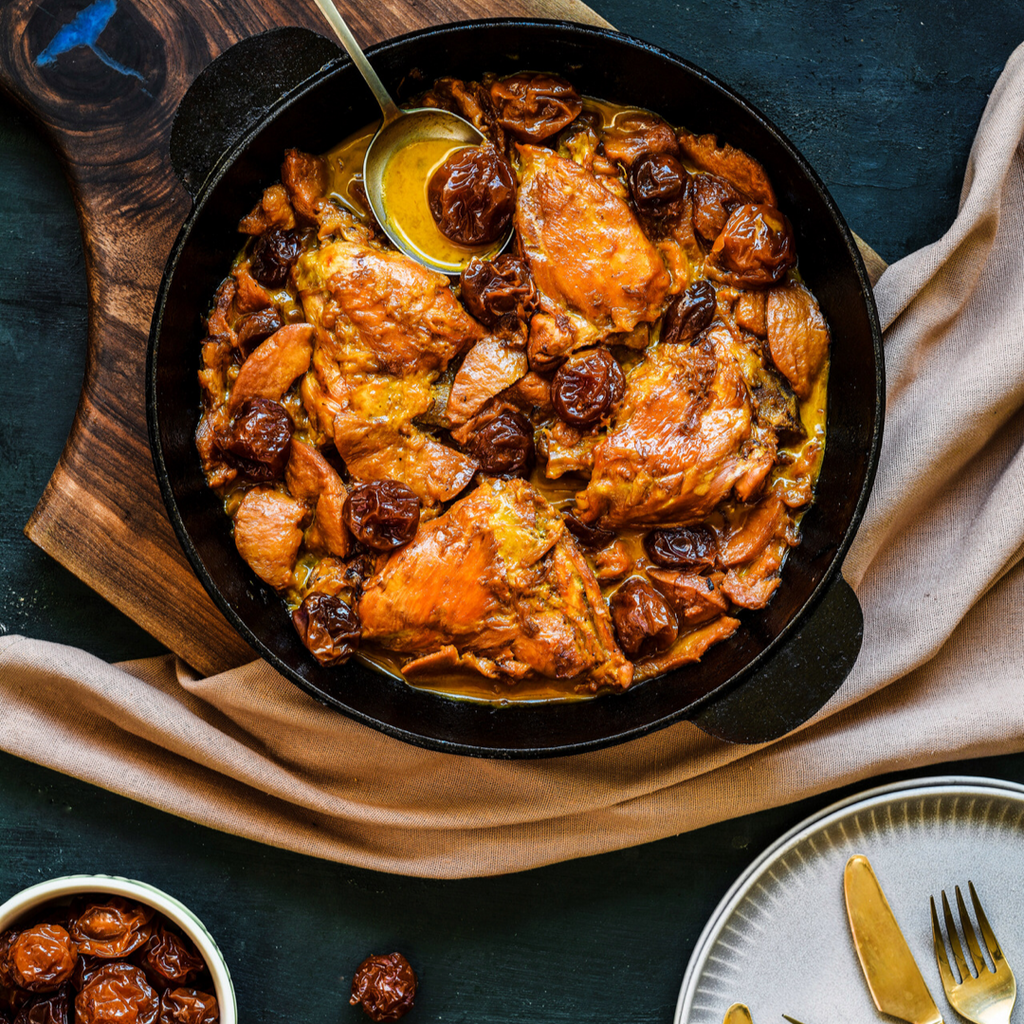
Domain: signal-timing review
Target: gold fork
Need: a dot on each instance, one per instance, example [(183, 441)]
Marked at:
[(984, 996)]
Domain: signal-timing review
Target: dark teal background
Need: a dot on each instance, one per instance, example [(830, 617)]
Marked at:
[(884, 99)]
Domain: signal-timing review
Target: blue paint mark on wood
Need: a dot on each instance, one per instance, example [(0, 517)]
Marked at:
[(84, 30)]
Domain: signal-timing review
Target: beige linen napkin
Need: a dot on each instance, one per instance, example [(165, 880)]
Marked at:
[(936, 565)]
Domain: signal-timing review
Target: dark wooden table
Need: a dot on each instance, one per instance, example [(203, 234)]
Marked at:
[(883, 99)]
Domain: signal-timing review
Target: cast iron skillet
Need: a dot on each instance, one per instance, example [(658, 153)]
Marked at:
[(290, 88)]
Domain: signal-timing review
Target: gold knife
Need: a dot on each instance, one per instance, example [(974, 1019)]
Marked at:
[(892, 975)]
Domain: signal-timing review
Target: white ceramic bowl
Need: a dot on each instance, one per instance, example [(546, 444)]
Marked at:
[(56, 889)]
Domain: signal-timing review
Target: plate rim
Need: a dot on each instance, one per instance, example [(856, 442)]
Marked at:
[(953, 784)]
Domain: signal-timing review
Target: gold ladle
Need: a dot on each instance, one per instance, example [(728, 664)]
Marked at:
[(401, 128)]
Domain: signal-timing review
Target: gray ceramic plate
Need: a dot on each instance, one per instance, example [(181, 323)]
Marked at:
[(779, 940)]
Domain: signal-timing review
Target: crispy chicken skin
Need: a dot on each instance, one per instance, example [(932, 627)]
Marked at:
[(594, 267), (498, 576), (674, 449)]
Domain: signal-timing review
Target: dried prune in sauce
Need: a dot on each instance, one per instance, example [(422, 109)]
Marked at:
[(593, 538), (187, 1006), (502, 443), (754, 249), (273, 254), (493, 289), (255, 327), (682, 547), (259, 439), (37, 959), (328, 627), (586, 386), (689, 313), (384, 986), (713, 200), (472, 196), (534, 106), (117, 992), (655, 180), (52, 1009), (167, 959), (383, 514), (643, 621), (110, 926)]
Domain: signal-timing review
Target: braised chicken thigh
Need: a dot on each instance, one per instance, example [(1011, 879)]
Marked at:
[(574, 467)]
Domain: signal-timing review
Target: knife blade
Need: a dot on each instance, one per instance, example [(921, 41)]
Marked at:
[(893, 976)]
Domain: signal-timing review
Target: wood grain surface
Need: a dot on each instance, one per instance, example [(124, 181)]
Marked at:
[(104, 78)]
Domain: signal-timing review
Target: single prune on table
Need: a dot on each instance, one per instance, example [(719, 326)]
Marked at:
[(655, 180), (755, 248), (689, 313), (328, 627), (643, 621), (38, 959), (117, 992), (187, 1006), (382, 514), (535, 106), (587, 386), (167, 959), (259, 439), (472, 196), (52, 1009), (384, 986), (273, 254), (110, 926), (502, 442), (683, 547), (492, 289), (256, 327)]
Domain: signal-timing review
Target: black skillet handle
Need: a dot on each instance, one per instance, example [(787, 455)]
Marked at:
[(797, 681), (235, 92)]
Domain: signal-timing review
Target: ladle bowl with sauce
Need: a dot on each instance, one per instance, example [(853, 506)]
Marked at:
[(403, 155)]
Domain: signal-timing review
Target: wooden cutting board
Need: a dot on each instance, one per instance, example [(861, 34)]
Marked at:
[(104, 78)]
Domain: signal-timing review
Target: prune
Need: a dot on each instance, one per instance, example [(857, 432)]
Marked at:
[(755, 248), (117, 992), (586, 386), (187, 1006), (382, 515), (328, 627), (254, 327), (713, 200), (643, 621), (535, 106), (273, 254), (688, 314), (38, 959), (632, 135), (492, 289), (593, 538), (472, 196), (167, 960), (502, 442), (110, 926), (681, 548), (259, 439), (384, 986), (54, 1009), (655, 180)]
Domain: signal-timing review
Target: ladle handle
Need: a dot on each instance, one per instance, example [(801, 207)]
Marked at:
[(387, 105)]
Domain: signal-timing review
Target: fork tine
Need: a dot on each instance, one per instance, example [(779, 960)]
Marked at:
[(954, 939), (986, 929), (948, 981), (972, 939)]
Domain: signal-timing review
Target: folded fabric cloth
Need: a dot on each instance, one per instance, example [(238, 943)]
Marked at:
[(936, 566)]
